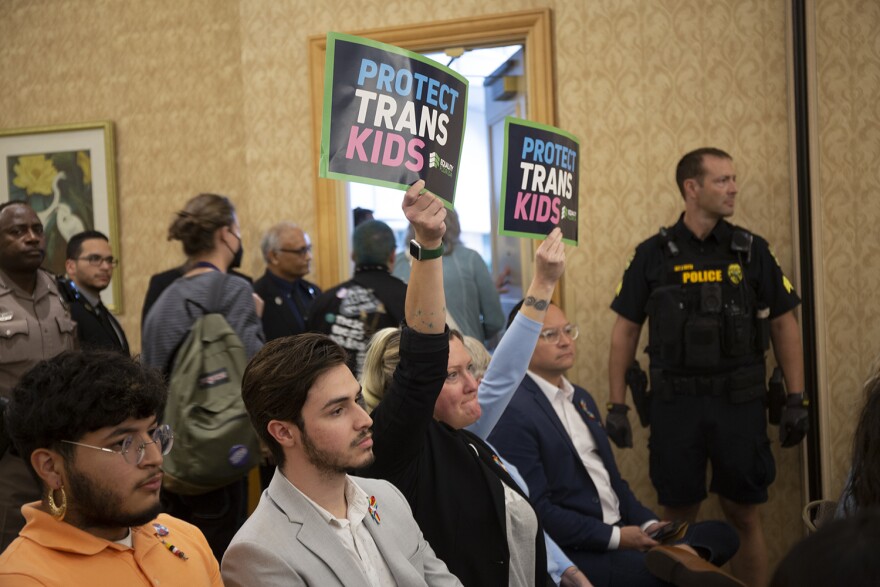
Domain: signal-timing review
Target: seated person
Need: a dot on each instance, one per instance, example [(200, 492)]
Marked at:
[(842, 553), (552, 433), (87, 425), (561, 569), (862, 489), (316, 525), (474, 514)]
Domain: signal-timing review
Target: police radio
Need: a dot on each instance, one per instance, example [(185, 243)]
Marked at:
[(741, 242)]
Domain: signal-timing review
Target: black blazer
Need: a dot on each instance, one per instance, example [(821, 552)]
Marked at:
[(91, 332), (450, 478), (278, 318)]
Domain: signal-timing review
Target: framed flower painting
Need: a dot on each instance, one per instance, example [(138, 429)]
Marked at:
[(68, 176)]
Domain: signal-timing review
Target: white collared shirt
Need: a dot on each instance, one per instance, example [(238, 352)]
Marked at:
[(354, 536), (585, 445)]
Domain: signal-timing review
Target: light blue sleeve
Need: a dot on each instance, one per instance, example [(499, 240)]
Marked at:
[(506, 371), (490, 303), (557, 562)]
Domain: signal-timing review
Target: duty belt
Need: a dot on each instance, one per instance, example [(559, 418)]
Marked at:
[(699, 385), (740, 385)]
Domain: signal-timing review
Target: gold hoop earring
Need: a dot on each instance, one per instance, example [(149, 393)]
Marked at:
[(57, 511)]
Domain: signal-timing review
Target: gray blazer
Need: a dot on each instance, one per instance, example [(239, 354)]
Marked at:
[(286, 542)]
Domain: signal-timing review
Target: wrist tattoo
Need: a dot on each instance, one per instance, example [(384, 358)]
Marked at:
[(539, 305)]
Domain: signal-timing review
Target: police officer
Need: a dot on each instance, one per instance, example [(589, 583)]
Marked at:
[(715, 296), (34, 325)]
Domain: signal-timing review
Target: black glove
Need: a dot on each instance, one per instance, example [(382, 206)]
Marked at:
[(617, 425), (795, 420)]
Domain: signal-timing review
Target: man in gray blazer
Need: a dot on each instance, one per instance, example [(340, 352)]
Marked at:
[(316, 525)]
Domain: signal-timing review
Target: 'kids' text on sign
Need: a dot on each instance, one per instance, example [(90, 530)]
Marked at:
[(391, 117), (540, 181)]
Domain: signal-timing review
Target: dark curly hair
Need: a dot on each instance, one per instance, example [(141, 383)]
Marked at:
[(194, 226), (74, 393)]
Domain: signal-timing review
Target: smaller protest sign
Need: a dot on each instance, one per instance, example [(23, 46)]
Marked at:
[(391, 117), (539, 181)]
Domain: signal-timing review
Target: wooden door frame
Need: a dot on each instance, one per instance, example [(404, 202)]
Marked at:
[(531, 28)]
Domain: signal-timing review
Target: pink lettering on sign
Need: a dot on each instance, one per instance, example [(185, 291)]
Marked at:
[(536, 207), (386, 148)]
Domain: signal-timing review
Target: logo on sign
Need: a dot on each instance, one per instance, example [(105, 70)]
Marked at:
[(434, 160)]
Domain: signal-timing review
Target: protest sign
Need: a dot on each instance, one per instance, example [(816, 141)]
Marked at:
[(540, 181), (391, 117)]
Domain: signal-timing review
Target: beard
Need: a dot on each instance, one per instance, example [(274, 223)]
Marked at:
[(97, 506), (330, 463)]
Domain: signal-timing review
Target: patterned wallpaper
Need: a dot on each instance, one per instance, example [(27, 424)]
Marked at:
[(212, 95), (848, 75)]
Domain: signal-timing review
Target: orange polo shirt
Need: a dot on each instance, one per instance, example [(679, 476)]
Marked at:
[(48, 552)]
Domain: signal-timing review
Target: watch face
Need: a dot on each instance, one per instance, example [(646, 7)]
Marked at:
[(415, 250)]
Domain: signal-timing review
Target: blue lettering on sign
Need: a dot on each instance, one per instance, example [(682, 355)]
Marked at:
[(385, 78), (549, 153)]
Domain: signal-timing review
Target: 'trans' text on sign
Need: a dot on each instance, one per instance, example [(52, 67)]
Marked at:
[(379, 108), (540, 181), (547, 168)]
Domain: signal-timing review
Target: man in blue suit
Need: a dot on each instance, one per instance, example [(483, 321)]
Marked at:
[(552, 432)]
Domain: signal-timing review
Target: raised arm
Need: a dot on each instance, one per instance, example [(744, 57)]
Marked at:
[(511, 359), (403, 417), (425, 300)]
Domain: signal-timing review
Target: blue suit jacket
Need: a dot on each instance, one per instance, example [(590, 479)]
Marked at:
[(531, 436)]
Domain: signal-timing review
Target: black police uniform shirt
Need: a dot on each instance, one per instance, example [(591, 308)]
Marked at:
[(645, 273)]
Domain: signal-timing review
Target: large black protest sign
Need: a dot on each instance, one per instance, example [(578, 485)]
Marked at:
[(540, 181), (391, 117)]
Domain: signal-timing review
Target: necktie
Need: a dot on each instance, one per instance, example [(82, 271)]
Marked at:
[(106, 323)]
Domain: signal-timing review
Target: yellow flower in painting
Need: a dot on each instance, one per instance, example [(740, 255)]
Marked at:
[(35, 174), (85, 163)]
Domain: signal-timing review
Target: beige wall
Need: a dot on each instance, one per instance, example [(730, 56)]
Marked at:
[(212, 95), (848, 184)]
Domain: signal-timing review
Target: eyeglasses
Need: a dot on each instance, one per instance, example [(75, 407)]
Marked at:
[(300, 251), (96, 260), (551, 335), (162, 436)]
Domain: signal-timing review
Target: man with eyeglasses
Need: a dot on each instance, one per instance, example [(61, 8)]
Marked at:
[(88, 425), (287, 251), (35, 324), (89, 267), (552, 433)]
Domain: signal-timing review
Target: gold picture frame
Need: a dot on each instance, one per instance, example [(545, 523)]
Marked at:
[(68, 175)]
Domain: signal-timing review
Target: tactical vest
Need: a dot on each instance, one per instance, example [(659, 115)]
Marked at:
[(704, 316)]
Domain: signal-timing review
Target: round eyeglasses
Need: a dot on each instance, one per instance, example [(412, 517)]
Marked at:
[(552, 335), (162, 437)]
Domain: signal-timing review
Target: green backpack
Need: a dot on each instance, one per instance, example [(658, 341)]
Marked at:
[(214, 442)]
